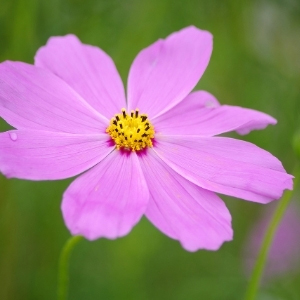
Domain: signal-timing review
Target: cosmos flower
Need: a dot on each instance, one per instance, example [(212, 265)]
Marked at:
[(283, 257), (154, 154)]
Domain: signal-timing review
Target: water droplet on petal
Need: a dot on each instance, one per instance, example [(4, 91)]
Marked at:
[(13, 136), (210, 104)]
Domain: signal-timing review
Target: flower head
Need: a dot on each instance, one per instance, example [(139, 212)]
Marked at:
[(154, 154), (283, 257), (131, 131)]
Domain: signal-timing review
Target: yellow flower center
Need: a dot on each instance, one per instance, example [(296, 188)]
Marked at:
[(131, 131)]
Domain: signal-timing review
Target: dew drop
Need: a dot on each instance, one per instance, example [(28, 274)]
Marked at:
[(210, 104), (13, 136)]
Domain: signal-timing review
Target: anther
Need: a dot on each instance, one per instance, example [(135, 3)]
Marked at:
[(131, 131)]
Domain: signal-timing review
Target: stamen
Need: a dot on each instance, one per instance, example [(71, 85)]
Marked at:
[(130, 131)]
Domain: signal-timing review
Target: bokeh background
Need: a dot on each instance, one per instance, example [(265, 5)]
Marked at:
[(255, 64)]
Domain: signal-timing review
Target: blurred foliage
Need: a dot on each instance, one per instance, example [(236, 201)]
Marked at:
[(255, 64)]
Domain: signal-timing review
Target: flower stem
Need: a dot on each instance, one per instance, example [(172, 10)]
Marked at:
[(267, 242), (63, 272)]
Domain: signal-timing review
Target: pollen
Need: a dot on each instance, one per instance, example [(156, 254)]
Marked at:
[(131, 131)]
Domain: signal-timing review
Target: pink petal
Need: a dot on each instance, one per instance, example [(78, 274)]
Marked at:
[(87, 69), (226, 166), (165, 72), (33, 98), (200, 114), (108, 200), (196, 217), (44, 155)]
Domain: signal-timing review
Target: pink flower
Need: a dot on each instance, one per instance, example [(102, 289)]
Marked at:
[(167, 166), (284, 252)]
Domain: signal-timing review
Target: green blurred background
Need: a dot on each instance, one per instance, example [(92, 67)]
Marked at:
[(255, 63)]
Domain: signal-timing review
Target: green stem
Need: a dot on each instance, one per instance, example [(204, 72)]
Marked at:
[(63, 272), (267, 242)]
